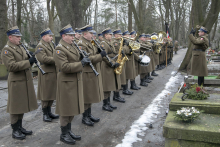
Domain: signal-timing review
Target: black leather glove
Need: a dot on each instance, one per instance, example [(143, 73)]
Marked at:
[(32, 60), (116, 65), (139, 60), (130, 50), (193, 32), (103, 53), (85, 61), (99, 50), (122, 52), (125, 42)]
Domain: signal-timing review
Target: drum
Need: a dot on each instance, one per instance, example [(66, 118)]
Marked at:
[(145, 60)]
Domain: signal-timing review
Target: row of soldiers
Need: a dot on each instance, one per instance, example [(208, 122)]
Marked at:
[(70, 78)]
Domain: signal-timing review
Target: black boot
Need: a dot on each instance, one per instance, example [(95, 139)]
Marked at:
[(76, 137), (86, 120), (65, 136), (16, 133), (153, 73), (105, 106), (53, 116), (149, 77), (133, 86), (116, 97), (111, 106), (46, 116), (126, 91), (23, 130), (136, 85), (143, 83), (91, 117), (158, 68), (146, 79)]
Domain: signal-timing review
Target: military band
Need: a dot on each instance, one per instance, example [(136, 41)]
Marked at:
[(82, 70)]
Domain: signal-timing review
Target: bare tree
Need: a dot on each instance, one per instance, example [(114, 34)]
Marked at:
[(19, 4)]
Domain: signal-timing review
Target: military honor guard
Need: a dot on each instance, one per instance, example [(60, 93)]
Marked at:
[(77, 35), (111, 80), (69, 98), (92, 84), (198, 63), (117, 40), (21, 94), (137, 63), (47, 83)]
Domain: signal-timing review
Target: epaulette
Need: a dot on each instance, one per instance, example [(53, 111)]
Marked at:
[(80, 41), (6, 45), (60, 45)]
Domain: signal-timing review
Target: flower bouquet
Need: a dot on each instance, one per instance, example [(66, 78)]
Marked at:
[(195, 92), (187, 114)]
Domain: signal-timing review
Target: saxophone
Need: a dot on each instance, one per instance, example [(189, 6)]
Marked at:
[(121, 60)]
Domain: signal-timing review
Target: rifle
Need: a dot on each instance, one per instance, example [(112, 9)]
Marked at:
[(99, 47), (84, 54), (29, 55)]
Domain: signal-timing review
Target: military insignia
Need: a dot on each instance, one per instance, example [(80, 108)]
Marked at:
[(80, 47), (116, 44), (59, 45), (6, 45), (201, 38), (103, 45), (40, 48), (58, 52), (5, 52)]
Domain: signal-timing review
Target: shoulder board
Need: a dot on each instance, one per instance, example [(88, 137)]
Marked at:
[(60, 45), (6, 45), (80, 41)]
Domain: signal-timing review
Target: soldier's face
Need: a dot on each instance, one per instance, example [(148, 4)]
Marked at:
[(118, 35), (143, 38), (100, 37), (94, 36), (132, 36), (108, 36), (14, 39), (68, 38), (78, 35), (127, 35), (47, 38), (148, 38), (201, 33)]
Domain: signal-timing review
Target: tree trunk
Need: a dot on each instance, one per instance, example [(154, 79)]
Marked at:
[(3, 24), (197, 18), (13, 13), (129, 18), (50, 10), (19, 3), (95, 19), (214, 31)]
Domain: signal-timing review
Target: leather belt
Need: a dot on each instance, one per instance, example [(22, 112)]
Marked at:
[(199, 50)]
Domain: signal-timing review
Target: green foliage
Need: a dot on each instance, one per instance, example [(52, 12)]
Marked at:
[(187, 114), (196, 93)]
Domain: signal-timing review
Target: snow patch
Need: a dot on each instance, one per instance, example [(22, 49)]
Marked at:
[(139, 126)]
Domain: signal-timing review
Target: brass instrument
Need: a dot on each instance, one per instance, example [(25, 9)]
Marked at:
[(121, 60), (134, 45), (159, 41)]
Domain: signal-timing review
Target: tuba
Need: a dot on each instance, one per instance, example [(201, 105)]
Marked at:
[(159, 41), (121, 60)]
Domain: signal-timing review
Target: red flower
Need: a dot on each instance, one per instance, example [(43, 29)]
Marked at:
[(198, 89), (184, 85)]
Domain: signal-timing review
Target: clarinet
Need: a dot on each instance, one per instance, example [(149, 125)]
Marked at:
[(102, 50), (84, 54), (29, 55), (53, 44)]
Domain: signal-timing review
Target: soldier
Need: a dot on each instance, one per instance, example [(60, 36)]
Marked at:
[(170, 48), (47, 84), (144, 69), (176, 47), (111, 81), (149, 42), (117, 42), (137, 63), (156, 55), (130, 64), (100, 37), (78, 34), (198, 64), (21, 94), (69, 99), (92, 84)]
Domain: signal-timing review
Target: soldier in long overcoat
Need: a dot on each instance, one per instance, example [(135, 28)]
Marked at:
[(47, 83), (111, 80), (92, 84), (198, 61), (21, 94), (69, 98)]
